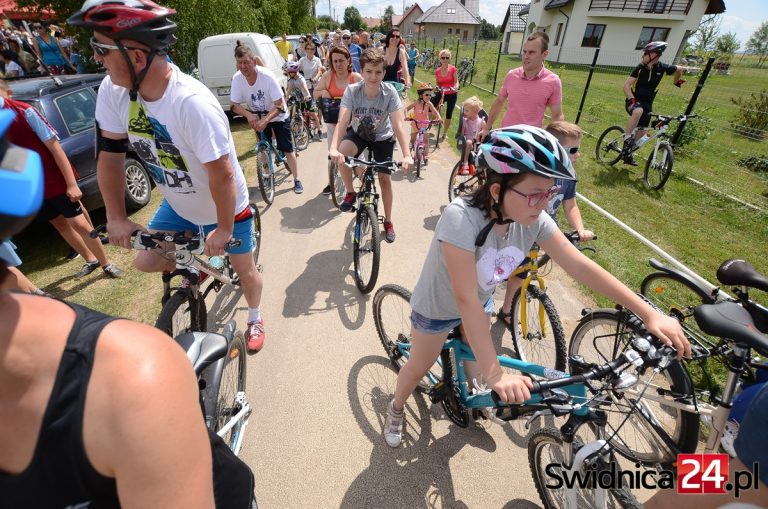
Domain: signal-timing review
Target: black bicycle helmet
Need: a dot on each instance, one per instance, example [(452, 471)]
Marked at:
[(655, 47)]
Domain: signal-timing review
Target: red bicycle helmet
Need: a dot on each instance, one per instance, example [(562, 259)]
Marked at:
[(138, 20)]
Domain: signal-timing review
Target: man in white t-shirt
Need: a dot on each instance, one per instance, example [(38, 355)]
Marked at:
[(147, 105), (265, 108)]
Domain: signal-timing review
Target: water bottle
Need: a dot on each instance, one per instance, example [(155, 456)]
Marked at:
[(641, 141), (217, 262)]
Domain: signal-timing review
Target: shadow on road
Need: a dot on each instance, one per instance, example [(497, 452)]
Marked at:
[(224, 307), (313, 214)]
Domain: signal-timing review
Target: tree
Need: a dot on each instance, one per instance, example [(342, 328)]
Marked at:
[(704, 37), (386, 20), (488, 31), (726, 45), (326, 22), (758, 42), (352, 19)]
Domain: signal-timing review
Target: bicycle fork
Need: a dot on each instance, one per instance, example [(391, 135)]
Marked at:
[(524, 307)]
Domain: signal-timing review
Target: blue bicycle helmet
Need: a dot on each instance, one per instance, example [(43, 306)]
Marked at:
[(21, 182)]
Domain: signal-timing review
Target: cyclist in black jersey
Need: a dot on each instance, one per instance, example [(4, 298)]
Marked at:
[(640, 90)]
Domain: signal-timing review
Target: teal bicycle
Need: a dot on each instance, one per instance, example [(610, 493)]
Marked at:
[(579, 395), (267, 158)]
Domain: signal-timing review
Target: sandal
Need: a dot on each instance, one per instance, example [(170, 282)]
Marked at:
[(504, 317)]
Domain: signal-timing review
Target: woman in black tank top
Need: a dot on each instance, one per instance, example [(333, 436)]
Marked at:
[(395, 59)]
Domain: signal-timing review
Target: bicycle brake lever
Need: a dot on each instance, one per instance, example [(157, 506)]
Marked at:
[(536, 415)]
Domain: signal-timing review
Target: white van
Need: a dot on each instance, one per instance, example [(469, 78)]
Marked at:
[(216, 61)]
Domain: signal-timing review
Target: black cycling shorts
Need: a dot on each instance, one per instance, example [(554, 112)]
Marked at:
[(57, 206), (282, 131), (645, 120), (382, 150)]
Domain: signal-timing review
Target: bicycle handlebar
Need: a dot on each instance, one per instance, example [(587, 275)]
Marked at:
[(144, 241), (353, 162)]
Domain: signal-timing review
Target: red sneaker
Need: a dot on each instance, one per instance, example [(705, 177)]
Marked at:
[(254, 336), (464, 170), (472, 169)]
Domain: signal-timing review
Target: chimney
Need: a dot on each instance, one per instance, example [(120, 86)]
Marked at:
[(473, 6)]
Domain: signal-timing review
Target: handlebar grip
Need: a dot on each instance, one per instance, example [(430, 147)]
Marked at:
[(98, 230)]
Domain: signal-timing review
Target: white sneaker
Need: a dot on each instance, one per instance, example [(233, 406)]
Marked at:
[(393, 426), (729, 437)]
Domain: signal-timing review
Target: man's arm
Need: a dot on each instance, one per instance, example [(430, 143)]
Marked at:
[(556, 110), (221, 179), (628, 87)]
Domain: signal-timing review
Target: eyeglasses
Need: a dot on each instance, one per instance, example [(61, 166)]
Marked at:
[(572, 150), (103, 49), (535, 199), (445, 58), (346, 37)]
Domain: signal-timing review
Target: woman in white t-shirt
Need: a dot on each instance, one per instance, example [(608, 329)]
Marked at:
[(493, 231), (311, 66), (12, 67)]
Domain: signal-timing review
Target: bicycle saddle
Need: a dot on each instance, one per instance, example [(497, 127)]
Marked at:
[(730, 320), (203, 348), (741, 273)]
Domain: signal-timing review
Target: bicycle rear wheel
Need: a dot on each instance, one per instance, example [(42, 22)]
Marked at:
[(366, 250), (183, 313), (300, 134), (265, 174), (232, 382), (418, 160), (609, 145), (392, 316), (658, 167), (546, 454), (338, 190), (464, 185), (545, 345), (601, 336)]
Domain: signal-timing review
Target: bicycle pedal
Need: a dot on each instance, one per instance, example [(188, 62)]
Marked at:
[(438, 392)]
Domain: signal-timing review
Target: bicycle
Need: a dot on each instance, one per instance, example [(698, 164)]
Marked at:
[(426, 58), (265, 166), (366, 235), (562, 394), (611, 148), (420, 148), (466, 70), (667, 418), (466, 184), (299, 125), (441, 91)]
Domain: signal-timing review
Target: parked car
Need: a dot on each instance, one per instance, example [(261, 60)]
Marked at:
[(69, 105), (294, 40)]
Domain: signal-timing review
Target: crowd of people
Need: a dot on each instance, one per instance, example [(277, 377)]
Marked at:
[(39, 50), (530, 173)]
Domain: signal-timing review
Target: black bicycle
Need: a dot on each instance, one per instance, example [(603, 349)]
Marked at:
[(366, 246), (611, 148)]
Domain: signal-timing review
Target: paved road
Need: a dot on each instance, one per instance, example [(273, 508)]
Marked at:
[(320, 386)]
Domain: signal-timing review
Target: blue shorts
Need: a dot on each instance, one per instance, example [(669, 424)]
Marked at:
[(751, 446), (8, 254), (429, 326), (167, 220)]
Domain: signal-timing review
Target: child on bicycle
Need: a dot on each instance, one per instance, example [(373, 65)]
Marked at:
[(423, 112), (569, 136), (492, 231), (297, 87), (370, 116), (471, 125)]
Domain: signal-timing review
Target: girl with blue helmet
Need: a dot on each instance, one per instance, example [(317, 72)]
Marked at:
[(493, 231)]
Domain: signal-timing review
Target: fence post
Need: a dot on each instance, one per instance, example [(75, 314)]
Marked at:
[(456, 58), (474, 53), (694, 97), (496, 74), (586, 86)]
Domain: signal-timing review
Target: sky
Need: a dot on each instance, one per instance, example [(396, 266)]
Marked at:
[(741, 17)]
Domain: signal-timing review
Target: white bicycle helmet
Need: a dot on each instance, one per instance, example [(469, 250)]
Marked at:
[(291, 66), (655, 46), (523, 148)]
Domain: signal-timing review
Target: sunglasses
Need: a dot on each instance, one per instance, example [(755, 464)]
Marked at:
[(445, 58), (535, 199), (103, 49), (572, 150), (346, 37)]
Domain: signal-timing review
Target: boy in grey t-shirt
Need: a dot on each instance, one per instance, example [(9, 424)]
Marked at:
[(370, 114)]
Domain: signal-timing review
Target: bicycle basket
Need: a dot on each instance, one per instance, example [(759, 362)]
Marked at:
[(330, 110)]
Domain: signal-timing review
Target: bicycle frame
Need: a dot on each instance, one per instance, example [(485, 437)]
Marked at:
[(532, 267)]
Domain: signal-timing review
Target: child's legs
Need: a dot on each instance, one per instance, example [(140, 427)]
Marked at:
[(385, 183), (467, 150), (349, 149), (425, 349)]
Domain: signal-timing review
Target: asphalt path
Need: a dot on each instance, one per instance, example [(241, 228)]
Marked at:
[(320, 386)]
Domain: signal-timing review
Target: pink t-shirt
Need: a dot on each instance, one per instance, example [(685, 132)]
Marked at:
[(527, 99)]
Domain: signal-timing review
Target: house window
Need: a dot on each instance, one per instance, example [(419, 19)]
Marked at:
[(656, 6), (648, 34), (449, 30), (559, 31), (450, 11), (593, 34)]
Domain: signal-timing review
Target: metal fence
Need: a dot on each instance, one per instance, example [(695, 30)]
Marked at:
[(724, 148)]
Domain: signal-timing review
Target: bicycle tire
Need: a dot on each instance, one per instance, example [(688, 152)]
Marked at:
[(417, 161), (548, 351), (609, 145), (338, 191), (554, 498), (392, 317), (233, 375), (183, 313), (265, 174), (463, 185), (300, 134), (256, 231), (453, 407), (250, 167), (657, 171), (600, 336), (366, 220)]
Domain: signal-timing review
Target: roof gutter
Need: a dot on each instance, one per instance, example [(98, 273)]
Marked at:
[(565, 30)]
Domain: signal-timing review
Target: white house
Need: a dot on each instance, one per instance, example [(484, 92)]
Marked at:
[(514, 28), (620, 28)]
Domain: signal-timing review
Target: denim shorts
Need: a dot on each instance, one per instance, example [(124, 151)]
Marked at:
[(167, 220), (751, 446), (8, 254), (429, 326)]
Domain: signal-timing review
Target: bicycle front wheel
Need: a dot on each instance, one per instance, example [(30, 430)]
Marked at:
[(366, 249), (658, 167), (232, 383), (647, 430), (464, 185), (183, 313), (300, 134), (546, 455), (392, 316), (256, 231), (265, 174), (609, 145), (418, 160), (338, 190), (541, 343)]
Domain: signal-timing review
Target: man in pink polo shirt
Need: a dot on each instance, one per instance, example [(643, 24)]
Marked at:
[(529, 89)]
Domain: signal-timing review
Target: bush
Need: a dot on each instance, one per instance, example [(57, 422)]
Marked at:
[(752, 119), (696, 129), (758, 164)]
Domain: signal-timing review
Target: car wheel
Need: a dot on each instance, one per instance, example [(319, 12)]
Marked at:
[(138, 190)]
